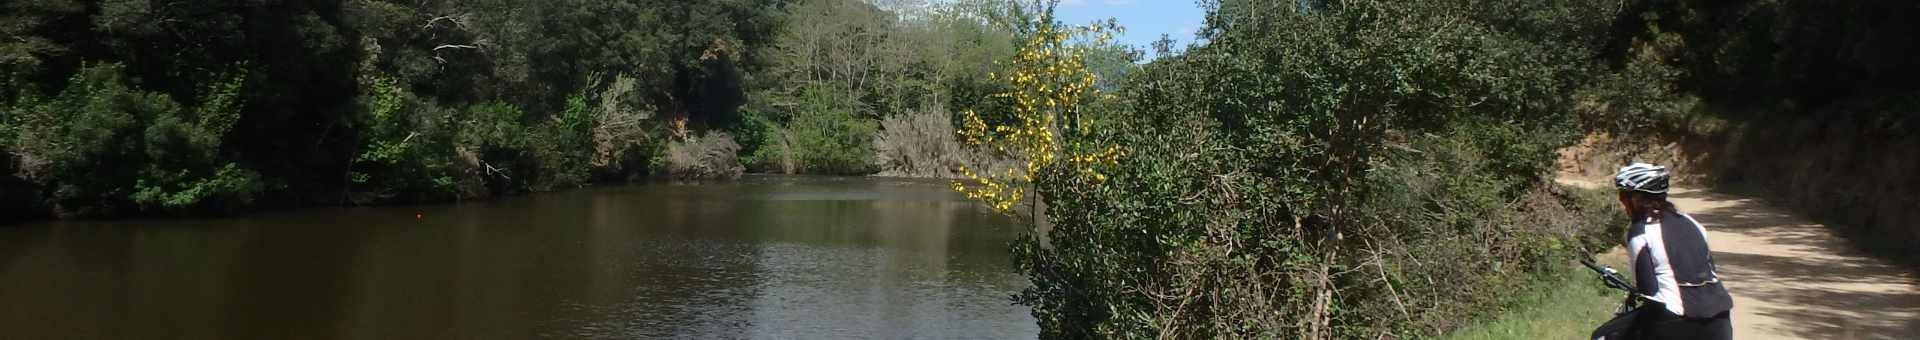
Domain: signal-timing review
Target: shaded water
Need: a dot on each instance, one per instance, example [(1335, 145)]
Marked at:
[(765, 257)]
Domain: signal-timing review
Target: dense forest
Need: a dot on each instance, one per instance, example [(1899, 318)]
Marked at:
[(1307, 169), (116, 108)]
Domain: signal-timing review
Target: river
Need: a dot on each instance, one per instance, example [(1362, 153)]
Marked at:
[(763, 257)]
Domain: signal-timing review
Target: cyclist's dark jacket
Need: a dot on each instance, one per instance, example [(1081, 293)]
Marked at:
[(1672, 265)]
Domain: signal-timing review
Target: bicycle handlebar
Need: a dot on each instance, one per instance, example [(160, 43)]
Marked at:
[(1612, 278), (1590, 265)]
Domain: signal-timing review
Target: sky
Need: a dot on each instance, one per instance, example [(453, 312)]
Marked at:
[(1145, 20)]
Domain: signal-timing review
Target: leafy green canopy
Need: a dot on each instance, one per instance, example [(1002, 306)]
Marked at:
[(364, 100), (1319, 170), (101, 146)]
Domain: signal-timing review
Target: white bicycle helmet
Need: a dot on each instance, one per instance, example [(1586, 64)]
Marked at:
[(1642, 177)]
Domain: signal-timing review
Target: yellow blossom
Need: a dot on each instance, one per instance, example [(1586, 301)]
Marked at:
[(1049, 70)]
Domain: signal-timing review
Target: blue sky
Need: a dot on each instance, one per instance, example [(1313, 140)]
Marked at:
[(1145, 20)]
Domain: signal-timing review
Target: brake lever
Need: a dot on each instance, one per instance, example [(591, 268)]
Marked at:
[(1613, 279)]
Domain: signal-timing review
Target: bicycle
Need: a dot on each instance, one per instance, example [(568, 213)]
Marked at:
[(1622, 324)]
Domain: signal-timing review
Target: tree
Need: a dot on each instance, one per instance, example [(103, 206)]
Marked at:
[(1050, 83), (1304, 174), (101, 147), (33, 36)]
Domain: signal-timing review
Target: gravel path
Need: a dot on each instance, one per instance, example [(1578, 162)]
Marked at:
[(1795, 279)]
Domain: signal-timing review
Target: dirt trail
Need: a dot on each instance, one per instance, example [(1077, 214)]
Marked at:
[(1794, 279)]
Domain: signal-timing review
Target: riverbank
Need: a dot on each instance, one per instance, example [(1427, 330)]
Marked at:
[(18, 220)]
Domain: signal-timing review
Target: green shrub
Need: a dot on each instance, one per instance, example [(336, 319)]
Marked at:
[(1449, 203), (764, 145), (559, 145), (827, 137), (1331, 170), (492, 128), (103, 147), (416, 151), (229, 186), (822, 134), (405, 151), (490, 147), (976, 93)]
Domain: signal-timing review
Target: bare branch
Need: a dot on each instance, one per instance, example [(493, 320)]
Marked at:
[(436, 49), (495, 171), (458, 20), (470, 47)]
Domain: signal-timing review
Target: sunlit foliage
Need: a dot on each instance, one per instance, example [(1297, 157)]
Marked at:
[(1313, 170), (1050, 84)]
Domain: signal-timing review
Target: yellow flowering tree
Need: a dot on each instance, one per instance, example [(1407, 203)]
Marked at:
[(1049, 85)]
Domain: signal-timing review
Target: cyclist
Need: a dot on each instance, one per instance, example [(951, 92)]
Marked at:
[(1671, 262)]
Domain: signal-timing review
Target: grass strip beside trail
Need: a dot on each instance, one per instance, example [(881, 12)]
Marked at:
[(1568, 306)]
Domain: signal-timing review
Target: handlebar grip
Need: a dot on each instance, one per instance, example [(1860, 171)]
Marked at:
[(1608, 276), (1590, 265)]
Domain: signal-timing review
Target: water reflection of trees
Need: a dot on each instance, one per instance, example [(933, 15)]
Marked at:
[(650, 261), (884, 261)]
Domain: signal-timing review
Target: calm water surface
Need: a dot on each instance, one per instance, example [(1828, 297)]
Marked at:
[(765, 257)]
